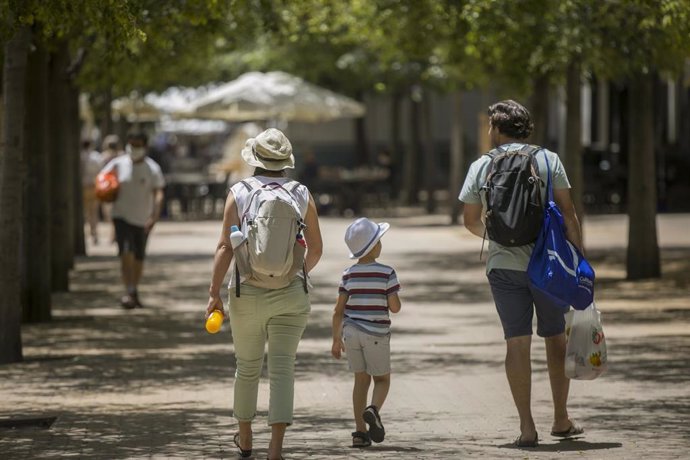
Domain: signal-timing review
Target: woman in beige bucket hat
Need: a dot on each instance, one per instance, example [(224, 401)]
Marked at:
[(278, 316)]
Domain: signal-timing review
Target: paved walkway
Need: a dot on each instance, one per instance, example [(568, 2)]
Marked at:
[(152, 383)]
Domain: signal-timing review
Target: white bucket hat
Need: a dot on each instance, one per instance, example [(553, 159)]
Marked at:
[(270, 150), (362, 235)]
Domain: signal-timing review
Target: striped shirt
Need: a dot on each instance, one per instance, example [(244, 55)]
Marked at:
[(367, 287)]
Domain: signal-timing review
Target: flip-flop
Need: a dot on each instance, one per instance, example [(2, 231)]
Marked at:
[(243, 453), (373, 419), (574, 430), (364, 437), (519, 442)]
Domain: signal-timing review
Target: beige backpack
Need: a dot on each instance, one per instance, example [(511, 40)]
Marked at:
[(272, 253)]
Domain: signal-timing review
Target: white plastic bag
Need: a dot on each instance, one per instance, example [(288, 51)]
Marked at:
[(585, 356)]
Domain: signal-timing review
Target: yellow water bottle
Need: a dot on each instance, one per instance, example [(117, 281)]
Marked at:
[(214, 321)]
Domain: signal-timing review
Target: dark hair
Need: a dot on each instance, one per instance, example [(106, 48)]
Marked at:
[(511, 119), (267, 172), (138, 136)]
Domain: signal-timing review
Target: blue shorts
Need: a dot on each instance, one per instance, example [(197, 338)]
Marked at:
[(516, 301)]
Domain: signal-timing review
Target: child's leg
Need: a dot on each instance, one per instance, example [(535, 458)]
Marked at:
[(360, 393), (382, 384)]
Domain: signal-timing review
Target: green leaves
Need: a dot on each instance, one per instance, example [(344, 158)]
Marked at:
[(360, 45)]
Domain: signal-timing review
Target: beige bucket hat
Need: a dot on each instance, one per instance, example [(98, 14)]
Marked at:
[(270, 150)]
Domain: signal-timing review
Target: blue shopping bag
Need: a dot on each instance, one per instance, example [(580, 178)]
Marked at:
[(557, 268)]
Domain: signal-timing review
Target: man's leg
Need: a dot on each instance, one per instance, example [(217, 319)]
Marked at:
[(127, 263), (519, 373), (513, 301), (551, 326), (137, 270), (139, 246), (560, 384)]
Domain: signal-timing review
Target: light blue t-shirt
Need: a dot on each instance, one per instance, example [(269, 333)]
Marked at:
[(504, 257)]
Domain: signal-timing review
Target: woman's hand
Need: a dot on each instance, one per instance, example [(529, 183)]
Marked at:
[(214, 303)]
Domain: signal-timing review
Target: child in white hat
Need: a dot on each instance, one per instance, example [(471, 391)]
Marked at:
[(368, 291)]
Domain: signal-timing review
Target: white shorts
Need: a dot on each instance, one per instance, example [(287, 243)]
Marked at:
[(367, 353)]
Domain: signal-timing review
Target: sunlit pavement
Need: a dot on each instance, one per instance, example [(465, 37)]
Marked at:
[(152, 383)]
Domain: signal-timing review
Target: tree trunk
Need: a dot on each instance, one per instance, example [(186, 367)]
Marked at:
[(12, 173), (411, 167), (573, 138), (643, 248), (362, 140), (73, 147), (396, 146), (79, 239), (61, 170), (36, 235), (429, 153), (540, 110), (457, 158)]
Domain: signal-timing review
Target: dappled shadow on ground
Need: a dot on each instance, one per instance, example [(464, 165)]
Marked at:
[(565, 445), (94, 347), (674, 283), (166, 340), (171, 431), (645, 418), (659, 359), (133, 433)]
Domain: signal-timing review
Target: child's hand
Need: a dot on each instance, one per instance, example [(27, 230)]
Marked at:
[(338, 348)]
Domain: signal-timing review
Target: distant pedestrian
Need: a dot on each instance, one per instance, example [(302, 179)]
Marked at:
[(368, 292), (509, 125), (135, 211), (264, 308), (91, 164), (110, 149)]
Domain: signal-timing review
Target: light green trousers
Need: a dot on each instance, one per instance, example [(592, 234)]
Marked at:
[(279, 315)]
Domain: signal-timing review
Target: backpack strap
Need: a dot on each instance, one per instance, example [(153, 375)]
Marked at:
[(549, 186), (493, 153), (530, 149), (246, 185), (237, 281), (291, 186)]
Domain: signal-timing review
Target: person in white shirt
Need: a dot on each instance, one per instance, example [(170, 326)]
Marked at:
[(135, 211)]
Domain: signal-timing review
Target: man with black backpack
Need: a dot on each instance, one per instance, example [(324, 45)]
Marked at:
[(504, 195)]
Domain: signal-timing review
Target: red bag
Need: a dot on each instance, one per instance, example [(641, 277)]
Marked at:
[(107, 186)]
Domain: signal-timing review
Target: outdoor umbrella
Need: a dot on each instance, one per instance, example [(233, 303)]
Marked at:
[(275, 96), (171, 109), (134, 108)]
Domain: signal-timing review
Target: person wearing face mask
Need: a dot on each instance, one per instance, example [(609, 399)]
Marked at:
[(135, 211)]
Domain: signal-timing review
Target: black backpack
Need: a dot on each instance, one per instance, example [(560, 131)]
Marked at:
[(514, 207)]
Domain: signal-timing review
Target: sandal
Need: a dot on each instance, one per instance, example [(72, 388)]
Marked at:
[(373, 419), (360, 439), (243, 453), (519, 442), (574, 430)]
